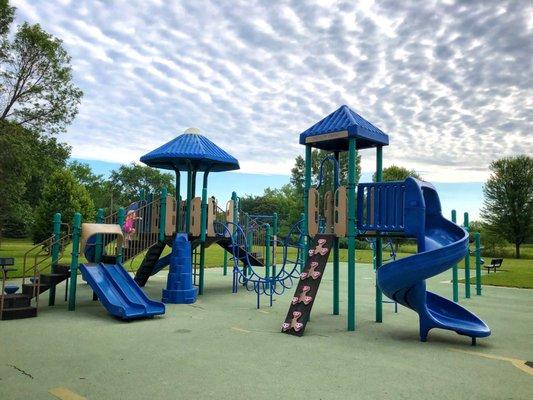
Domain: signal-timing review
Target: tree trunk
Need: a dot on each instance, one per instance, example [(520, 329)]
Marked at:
[(517, 250)]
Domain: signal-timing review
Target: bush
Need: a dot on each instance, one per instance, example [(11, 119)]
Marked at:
[(63, 194)]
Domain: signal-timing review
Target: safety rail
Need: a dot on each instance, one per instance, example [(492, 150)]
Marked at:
[(43, 260), (380, 206), (141, 229)]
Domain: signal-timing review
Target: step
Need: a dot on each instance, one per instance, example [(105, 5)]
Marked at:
[(16, 300), (109, 259), (62, 269), (19, 313), (27, 288), (48, 279)]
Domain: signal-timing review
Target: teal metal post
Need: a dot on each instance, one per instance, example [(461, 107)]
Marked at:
[(121, 216), (302, 245), (477, 239), (455, 274), (467, 260), (188, 202), (274, 242), (55, 256), (352, 161), (99, 245), (203, 228), (162, 214), (225, 267), (268, 260), (178, 201), (379, 244), (307, 186), (336, 248), (76, 232)]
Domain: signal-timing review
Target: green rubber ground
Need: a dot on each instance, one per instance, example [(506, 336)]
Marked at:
[(222, 347)]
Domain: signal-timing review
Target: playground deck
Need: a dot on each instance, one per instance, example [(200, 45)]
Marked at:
[(222, 347)]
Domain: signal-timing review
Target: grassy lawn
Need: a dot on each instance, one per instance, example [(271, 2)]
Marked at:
[(514, 273)]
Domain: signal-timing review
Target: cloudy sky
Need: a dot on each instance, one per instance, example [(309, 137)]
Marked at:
[(450, 82)]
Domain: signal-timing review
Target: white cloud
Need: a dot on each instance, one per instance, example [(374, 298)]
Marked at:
[(450, 84)]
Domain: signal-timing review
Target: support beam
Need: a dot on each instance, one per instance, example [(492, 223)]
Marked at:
[(352, 162), (466, 225), (378, 248), (455, 274), (76, 232), (307, 185), (336, 246)]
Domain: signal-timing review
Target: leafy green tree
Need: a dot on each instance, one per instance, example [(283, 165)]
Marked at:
[(27, 161), (63, 194), (397, 173), (127, 182), (298, 172), (508, 203), (36, 89), (96, 185)]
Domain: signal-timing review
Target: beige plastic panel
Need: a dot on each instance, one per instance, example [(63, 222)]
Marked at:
[(196, 210), (88, 230), (170, 221), (328, 211), (229, 211), (313, 211), (340, 216), (211, 216)]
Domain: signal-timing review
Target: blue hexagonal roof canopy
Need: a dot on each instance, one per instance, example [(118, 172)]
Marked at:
[(333, 132), (191, 149)]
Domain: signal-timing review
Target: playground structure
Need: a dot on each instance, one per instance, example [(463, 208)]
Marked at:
[(376, 211), (409, 209)]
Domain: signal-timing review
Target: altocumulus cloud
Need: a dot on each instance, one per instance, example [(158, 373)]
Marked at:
[(451, 82)]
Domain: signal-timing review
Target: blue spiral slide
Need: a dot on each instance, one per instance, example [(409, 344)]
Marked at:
[(441, 244)]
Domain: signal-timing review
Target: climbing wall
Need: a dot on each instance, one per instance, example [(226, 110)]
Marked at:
[(307, 288)]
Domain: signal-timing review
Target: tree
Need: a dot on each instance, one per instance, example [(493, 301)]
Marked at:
[(127, 182), (96, 185), (36, 89), (28, 159), (298, 172), (64, 195), (397, 173), (508, 203)]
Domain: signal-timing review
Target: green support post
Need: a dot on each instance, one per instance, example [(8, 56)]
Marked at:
[(307, 186), (268, 260), (225, 267), (352, 161), (455, 273), (188, 201), (203, 228), (178, 201), (162, 214), (302, 245), (378, 248), (142, 194), (55, 256), (477, 239), (274, 242), (121, 216), (467, 259), (336, 249), (99, 248), (76, 232)]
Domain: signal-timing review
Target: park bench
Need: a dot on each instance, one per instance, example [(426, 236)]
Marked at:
[(494, 263)]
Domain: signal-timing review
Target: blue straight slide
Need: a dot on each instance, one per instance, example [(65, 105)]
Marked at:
[(118, 292), (441, 244)]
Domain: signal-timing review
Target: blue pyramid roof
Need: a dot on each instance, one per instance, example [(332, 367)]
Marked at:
[(333, 132), (190, 148)]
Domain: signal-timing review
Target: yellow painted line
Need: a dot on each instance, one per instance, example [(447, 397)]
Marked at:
[(65, 394), (240, 330), (520, 364), (263, 311)]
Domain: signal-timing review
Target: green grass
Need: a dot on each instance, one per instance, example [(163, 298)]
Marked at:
[(514, 273)]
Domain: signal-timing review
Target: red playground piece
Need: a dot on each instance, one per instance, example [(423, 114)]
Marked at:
[(294, 322), (303, 297), (311, 272), (319, 249)]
